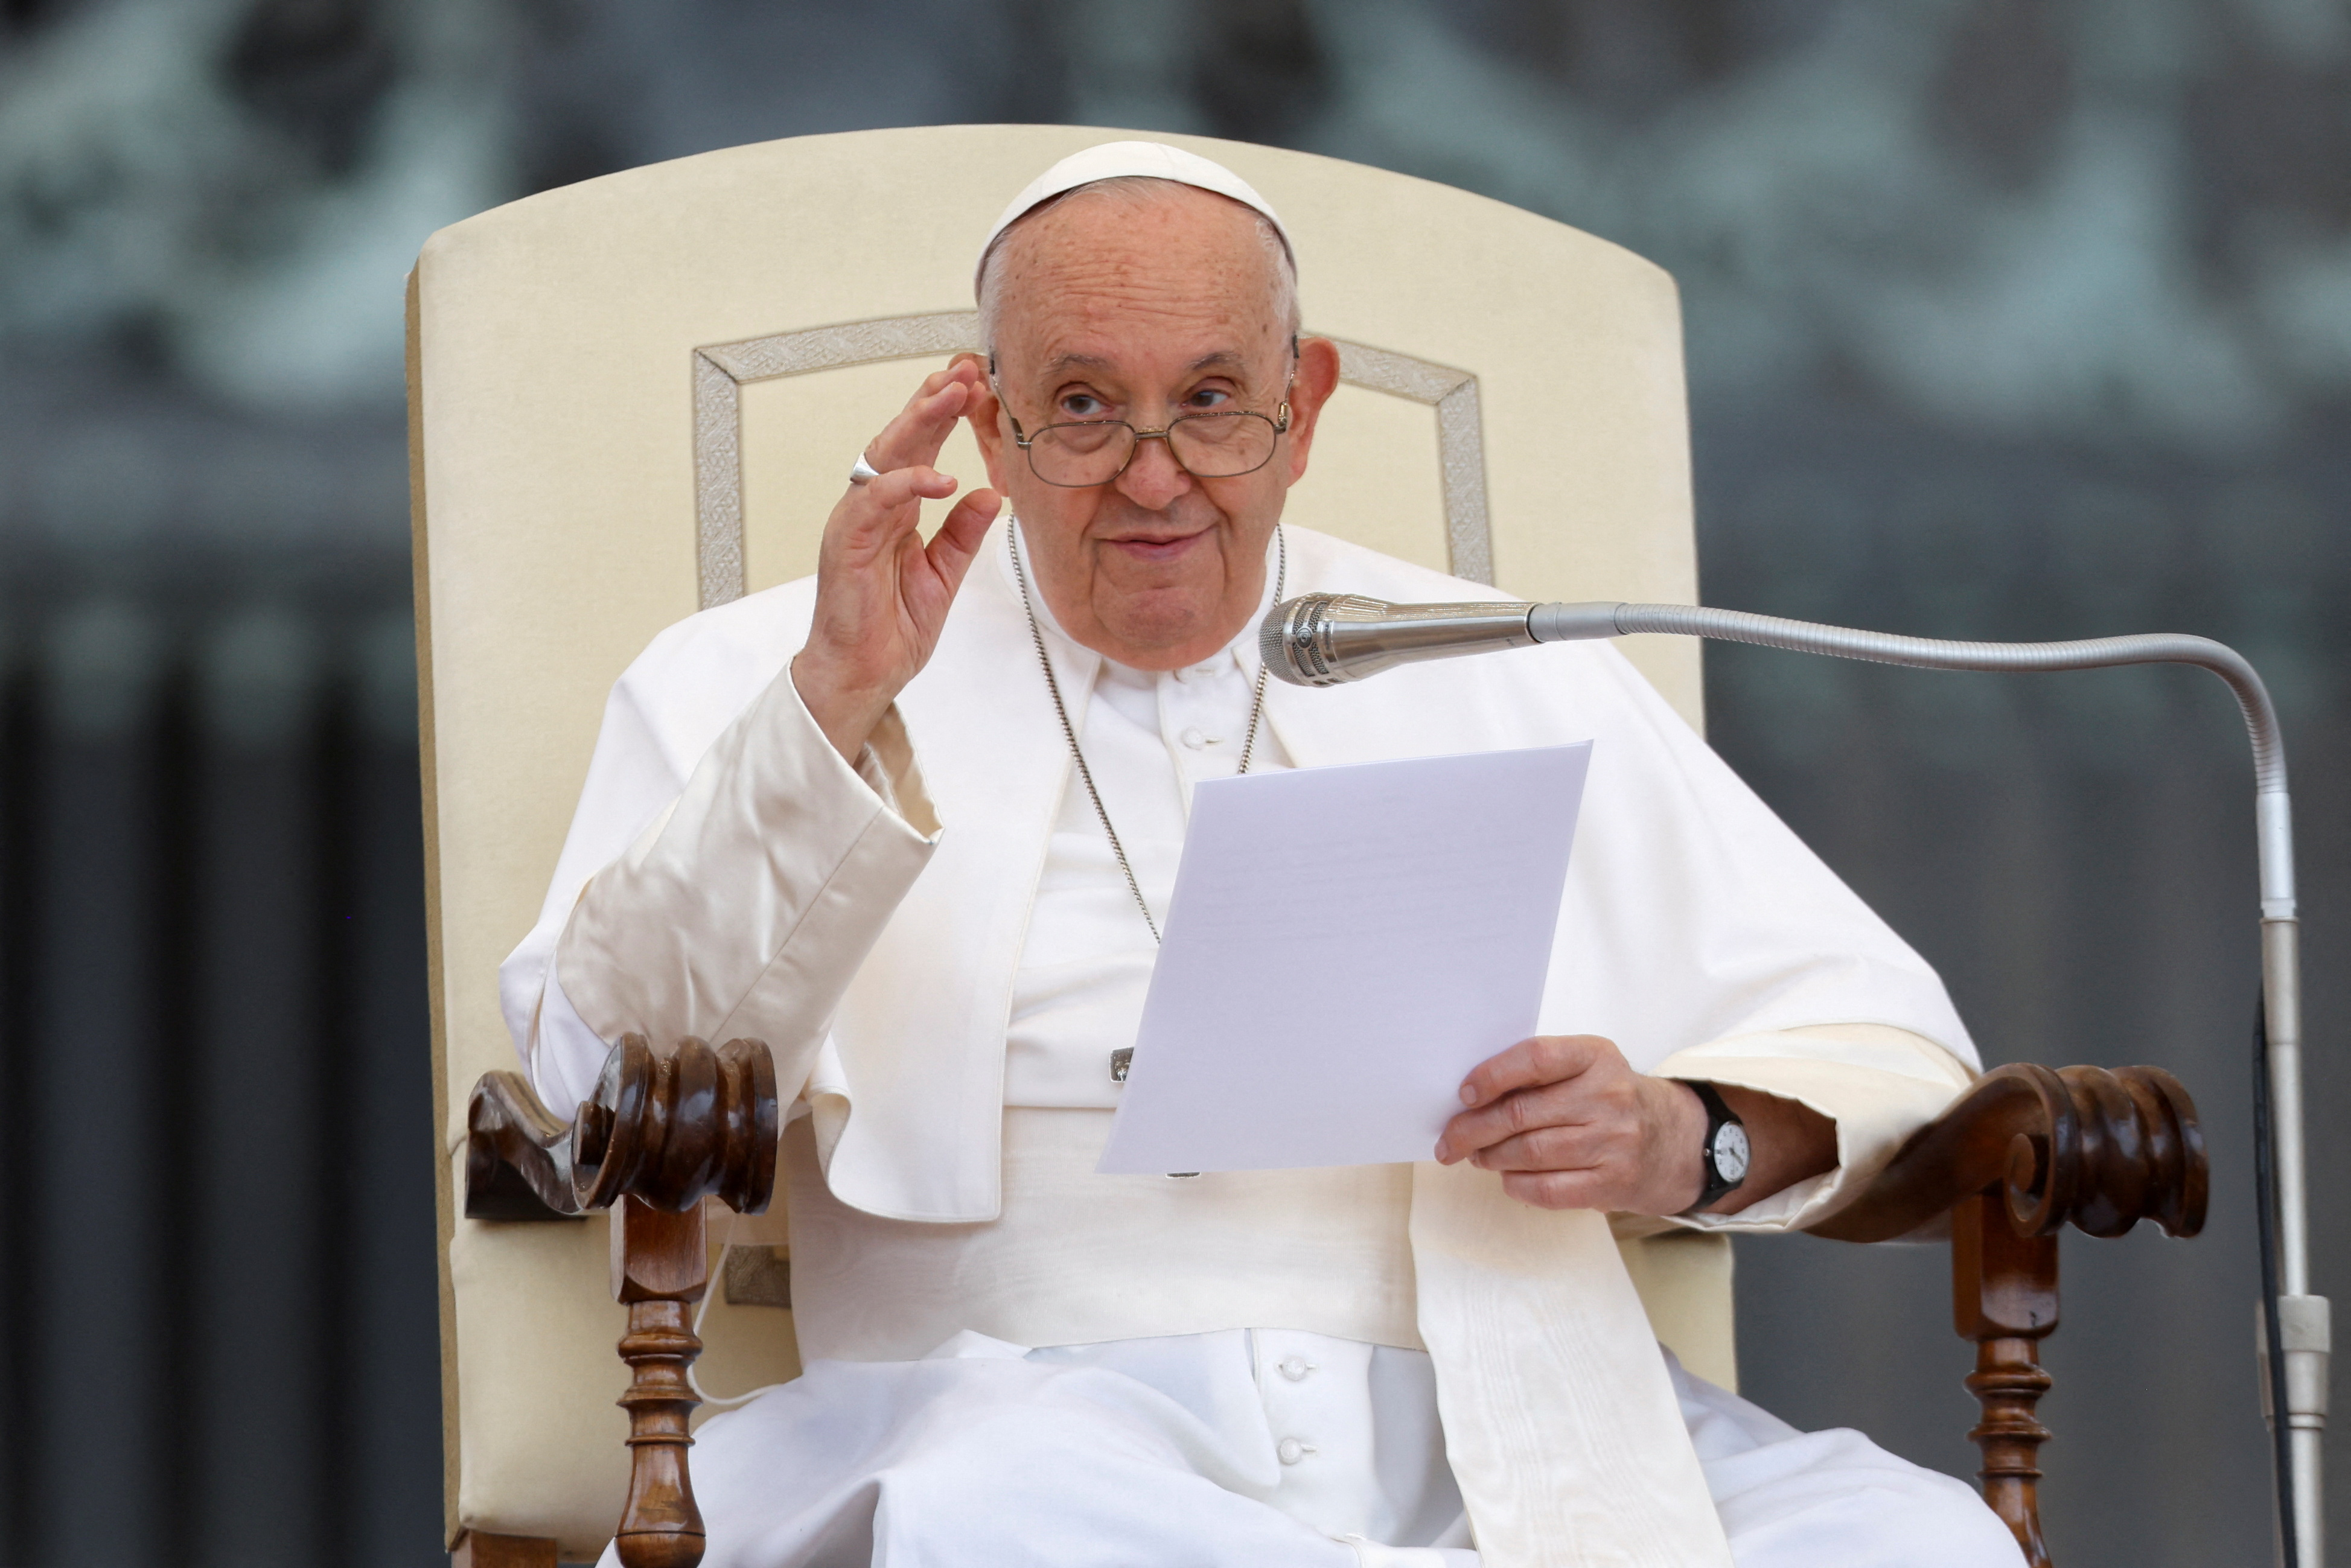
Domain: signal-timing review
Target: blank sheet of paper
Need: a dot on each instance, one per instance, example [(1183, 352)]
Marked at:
[(1344, 945)]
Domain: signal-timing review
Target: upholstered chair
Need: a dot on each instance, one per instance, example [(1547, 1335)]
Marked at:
[(636, 397)]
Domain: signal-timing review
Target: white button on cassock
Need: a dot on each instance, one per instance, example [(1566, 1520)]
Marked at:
[(1320, 1392), (1194, 740)]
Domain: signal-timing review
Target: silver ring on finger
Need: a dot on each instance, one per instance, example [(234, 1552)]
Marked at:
[(864, 473)]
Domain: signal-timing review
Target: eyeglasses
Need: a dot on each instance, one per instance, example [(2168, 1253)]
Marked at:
[(1224, 445)]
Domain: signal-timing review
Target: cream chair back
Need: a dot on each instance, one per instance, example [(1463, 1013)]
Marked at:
[(638, 396)]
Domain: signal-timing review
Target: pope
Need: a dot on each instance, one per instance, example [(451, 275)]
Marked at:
[(915, 824)]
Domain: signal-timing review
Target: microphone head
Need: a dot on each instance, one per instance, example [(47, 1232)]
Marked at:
[(1294, 639), (1326, 639)]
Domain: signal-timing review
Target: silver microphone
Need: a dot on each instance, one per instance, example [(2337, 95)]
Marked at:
[(1323, 639)]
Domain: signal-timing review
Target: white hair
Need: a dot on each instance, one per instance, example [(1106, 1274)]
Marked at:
[(1133, 191)]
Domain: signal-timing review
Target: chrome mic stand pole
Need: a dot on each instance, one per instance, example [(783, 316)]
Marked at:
[(1323, 639)]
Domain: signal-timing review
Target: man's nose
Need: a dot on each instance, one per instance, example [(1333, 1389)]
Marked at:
[(1153, 478)]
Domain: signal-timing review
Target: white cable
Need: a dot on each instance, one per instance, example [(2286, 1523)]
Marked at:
[(726, 1249)]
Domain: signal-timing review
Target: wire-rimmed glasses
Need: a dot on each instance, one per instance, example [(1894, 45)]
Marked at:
[(1219, 444)]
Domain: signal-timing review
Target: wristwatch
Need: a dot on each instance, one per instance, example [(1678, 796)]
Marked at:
[(1725, 1150)]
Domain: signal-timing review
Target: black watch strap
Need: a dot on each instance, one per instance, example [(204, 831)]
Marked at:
[(1719, 1115)]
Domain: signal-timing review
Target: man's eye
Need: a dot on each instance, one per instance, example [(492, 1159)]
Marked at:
[(1207, 398), (1081, 405)]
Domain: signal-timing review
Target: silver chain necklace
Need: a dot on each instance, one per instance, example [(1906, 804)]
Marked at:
[(1037, 634)]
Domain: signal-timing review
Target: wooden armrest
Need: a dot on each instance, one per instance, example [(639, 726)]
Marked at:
[(669, 1125), (2015, 1159), (2096, 1148), (666, 1127)]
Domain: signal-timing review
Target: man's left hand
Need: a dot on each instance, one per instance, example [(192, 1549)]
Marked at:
[(1569, 1124)]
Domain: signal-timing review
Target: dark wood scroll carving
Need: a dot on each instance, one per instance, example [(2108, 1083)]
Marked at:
[(666, 1127), (670, 1124), (2024, 1153), (517, 1155)]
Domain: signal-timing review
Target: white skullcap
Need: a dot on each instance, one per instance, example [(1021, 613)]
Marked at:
[(1127, 160)]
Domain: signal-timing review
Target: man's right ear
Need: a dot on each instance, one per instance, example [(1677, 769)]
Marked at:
[(987, 417)]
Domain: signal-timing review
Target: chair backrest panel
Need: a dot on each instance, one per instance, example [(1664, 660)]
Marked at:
[(639, 395)]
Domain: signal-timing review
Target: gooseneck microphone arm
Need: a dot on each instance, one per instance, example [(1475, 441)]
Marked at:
[(1323, 639)]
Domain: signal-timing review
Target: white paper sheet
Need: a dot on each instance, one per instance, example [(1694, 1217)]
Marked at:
[(1344, 946)]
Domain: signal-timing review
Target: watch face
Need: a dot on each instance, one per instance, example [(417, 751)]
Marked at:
[(1730, 1152)]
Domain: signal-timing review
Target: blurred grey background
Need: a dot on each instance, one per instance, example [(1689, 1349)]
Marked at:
[(2005, 318)]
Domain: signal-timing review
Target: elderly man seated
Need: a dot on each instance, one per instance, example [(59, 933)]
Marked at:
[(914, 823)]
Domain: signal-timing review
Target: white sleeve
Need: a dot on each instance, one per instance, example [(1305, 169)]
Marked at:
[(567, 1055), (741, 907), (1877, 1083)]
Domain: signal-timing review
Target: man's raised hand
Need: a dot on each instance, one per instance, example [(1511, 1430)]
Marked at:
[(882, 594)]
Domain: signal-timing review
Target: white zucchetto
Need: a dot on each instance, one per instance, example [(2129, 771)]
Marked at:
[(1127, 160)]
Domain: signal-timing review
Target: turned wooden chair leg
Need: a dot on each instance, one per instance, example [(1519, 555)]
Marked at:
[(661, 1266), (2004, 1301)]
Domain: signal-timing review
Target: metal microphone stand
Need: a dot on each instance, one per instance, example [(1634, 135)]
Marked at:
[(2294, 1329), (1323, 639)]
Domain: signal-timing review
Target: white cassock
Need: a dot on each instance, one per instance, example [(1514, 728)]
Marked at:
[(1011, 1358)]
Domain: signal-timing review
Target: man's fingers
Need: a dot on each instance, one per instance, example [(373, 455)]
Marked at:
[(1561, 1189), (922, 428), (1546, 1059), (900, 486), (951, 549), (916, 437), (1527, 1111), (880, 513), (965, 376), (1567, 1149)]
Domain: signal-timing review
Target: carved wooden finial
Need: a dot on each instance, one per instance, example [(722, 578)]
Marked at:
[(672, 1125)]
